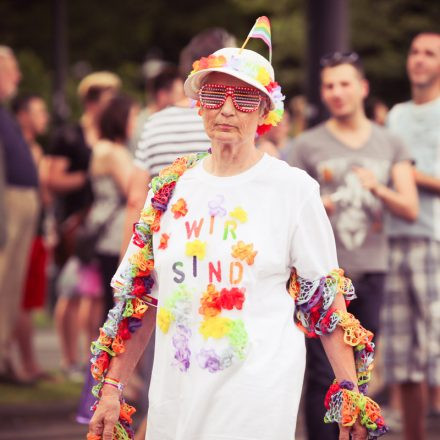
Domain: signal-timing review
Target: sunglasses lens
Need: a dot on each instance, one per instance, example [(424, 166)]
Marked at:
[(246, 100), (212, 96)]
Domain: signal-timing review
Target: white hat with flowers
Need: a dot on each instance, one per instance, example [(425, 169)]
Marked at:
[(247, 66)]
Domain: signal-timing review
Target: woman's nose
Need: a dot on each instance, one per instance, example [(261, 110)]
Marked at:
[(228, 107)]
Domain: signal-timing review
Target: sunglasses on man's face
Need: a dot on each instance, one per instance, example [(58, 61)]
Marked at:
[(245, 99), (335, 58)]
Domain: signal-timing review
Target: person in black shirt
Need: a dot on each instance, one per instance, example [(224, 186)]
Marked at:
[(69, 163)]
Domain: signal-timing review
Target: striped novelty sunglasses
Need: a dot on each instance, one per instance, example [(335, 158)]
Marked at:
[(245, 99)]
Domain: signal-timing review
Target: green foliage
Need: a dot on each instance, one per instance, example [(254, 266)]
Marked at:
[(118, 36)]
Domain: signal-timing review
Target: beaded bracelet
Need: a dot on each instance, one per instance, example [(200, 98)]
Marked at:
[(345, 406), (114, 383)]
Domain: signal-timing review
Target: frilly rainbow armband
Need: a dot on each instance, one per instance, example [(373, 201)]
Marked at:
[(315, 316), (133, 288), (345, 406)]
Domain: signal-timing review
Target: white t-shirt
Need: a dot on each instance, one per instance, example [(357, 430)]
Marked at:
[(237, 373)]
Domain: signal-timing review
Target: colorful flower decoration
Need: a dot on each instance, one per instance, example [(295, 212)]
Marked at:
[(133, 284), (179, 208), (164, 319), (164, 241), (177, 310), (240, 214), (239, 64), (216, 326), (196, 248), (244, 252), (215, 206)]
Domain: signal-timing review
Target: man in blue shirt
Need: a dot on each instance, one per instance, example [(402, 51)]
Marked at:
[(21, 202)]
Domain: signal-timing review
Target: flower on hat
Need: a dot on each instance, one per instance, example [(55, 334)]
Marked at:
[(208, 63), (263, 76)]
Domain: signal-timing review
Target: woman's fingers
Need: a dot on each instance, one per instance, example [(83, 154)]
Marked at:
[(344, 432), (359, 432), (109, 426), (104, 420)]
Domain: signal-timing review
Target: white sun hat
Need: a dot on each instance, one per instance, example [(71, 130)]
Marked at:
[(244, 64)]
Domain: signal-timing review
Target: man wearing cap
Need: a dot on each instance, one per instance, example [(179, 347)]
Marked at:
[(362, 170), (21, 201)]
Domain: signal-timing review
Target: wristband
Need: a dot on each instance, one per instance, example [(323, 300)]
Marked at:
[(114, 383)]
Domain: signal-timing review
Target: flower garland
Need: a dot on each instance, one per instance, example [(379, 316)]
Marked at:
[(133, 287), (315, 317), (258, 73)]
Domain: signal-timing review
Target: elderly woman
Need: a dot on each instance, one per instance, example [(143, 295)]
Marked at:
[(227, 229)]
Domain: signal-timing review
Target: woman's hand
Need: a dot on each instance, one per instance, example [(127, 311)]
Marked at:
[(357, 431), (106, 414)]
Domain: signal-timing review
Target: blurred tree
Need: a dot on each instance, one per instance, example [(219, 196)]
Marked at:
[(118, 35), (382, 32)]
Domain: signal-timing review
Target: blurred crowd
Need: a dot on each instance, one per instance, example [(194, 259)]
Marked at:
[(67, 207)]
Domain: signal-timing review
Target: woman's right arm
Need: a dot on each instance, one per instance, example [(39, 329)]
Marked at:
[(121, 367)]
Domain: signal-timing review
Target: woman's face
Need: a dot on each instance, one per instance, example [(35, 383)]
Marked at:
[(227, 124)]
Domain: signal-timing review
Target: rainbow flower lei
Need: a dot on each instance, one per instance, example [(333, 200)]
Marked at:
[(258, 73), (132, 292)]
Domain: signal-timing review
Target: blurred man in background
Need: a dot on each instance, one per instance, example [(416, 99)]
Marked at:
[(164, 89), (362, 170), (21, 200), (411, 318)]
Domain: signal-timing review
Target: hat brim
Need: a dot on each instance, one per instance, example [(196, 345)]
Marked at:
[(193, 82)]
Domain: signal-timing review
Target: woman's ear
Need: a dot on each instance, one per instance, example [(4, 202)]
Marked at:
[(263, 111)]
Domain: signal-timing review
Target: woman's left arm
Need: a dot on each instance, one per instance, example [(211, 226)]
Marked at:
[(341, 358), (320, 292)]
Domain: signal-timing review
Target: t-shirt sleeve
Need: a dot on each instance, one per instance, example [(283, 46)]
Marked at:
[(313, 248), (131, 277), (296, 157), (401, 151)]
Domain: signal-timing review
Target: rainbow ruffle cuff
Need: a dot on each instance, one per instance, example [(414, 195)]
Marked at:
[(315, 317)]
